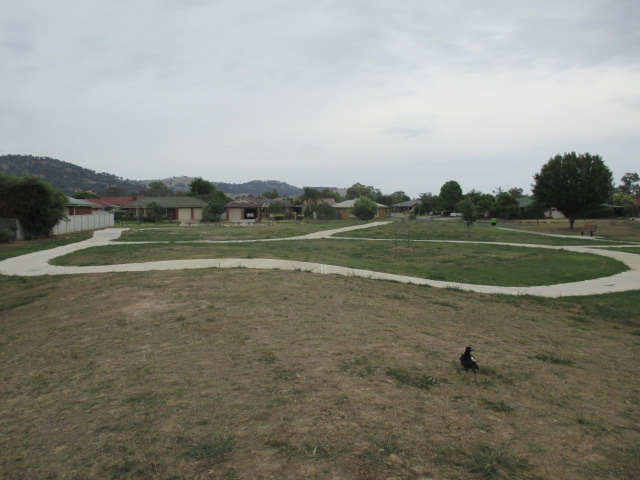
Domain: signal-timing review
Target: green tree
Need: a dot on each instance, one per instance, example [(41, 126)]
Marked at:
[(574, 184), (624, 203), (428, 203), (216, 202), (507, 206), (83, 195), (275, 208), (324, 211), (272, 194), (311, 195), (199, 186), (36, 204), (450, 195), (468, 210), (630, 184), (358, 190), (157, 189), (485, 204), (365, 208)]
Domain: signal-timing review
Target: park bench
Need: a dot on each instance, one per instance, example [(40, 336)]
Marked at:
[(589, 228)]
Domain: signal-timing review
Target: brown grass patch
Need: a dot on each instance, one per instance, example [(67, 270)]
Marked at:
[(252, 374)]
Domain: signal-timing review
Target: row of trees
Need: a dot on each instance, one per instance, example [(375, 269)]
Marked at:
[(577, 185)]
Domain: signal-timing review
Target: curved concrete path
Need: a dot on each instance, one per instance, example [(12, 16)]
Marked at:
[(37, 263)]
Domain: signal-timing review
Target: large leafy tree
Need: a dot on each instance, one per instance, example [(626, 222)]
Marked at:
[(36, 204), (216, 202), (365, 208), (574, 184), (630, 184), (199, 186), (157, 189), (358, 190), (507, 205), (450, 195)]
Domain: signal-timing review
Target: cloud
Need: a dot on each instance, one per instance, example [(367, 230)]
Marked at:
[(321, 93)]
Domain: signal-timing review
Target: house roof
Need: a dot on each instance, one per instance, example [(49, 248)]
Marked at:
[(524, 201), (351, 203), (79, 202), (407, 204), (168, 202), (249, 202), (113, 201)]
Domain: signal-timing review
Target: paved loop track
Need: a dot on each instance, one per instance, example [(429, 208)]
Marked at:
[(37, 263)]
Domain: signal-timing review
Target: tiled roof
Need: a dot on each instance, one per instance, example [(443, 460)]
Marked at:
[(351, 203), (111, 201), (168, 202), (249, 202), (407, 204)]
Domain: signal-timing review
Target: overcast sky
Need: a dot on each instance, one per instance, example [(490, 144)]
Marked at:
[(401, 95)]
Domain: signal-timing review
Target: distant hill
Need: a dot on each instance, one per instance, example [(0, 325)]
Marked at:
[(71, 178), (67, 177), (255, 187)]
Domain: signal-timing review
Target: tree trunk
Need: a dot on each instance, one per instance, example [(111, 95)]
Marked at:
[(571, 222)]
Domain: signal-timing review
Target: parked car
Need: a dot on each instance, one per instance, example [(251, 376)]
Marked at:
[(455, 214)]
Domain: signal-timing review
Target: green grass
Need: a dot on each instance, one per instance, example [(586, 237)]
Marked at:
[(554, 359), (211, 450), (495, 463), (412, 378), (466, 263), (257, 231), (407, 233), (15, 249)]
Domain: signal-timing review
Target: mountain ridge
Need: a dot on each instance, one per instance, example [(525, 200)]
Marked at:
[(70, 178)]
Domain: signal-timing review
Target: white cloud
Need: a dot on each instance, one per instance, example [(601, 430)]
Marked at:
[(399, 95)]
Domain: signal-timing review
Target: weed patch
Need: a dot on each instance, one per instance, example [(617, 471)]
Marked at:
[(411, 378)]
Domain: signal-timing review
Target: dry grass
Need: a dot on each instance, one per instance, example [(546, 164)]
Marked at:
[(246, 374)]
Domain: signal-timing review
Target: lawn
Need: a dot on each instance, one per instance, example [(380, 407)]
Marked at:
[(457, 262), (216, 374)]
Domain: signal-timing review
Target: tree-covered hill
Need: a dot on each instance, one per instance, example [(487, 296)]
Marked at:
[(71, 178), (65, 176)]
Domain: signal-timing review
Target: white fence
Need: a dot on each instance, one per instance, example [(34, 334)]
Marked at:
[(75, 223)]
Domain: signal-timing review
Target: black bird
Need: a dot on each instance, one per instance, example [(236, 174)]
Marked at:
[(468, 362)]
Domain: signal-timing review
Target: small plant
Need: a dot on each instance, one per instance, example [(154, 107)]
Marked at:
[(553, 359), (497, 406), (406, 377), (213, 450), (360, 366), (494, 463)]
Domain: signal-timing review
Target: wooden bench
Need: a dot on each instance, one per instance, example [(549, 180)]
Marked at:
[(589, 228)]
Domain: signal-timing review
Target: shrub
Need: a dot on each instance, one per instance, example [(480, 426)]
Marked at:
[(5, 235)]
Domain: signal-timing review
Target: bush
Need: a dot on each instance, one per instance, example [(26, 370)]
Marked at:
[(365, 209), (279, 217), (299, 217), (36, 204), (6, 236)]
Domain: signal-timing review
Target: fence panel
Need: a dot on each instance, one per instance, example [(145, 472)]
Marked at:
[(76, 223)]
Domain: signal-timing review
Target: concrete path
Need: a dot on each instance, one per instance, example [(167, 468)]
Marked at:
[(37, 263)]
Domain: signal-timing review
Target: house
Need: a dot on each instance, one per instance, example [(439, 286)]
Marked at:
[(185, 209), (345, 210), (248, 209), (77, 206), (405, 207)]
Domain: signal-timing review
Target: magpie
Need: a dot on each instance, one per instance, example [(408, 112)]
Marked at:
[(468, 362)]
